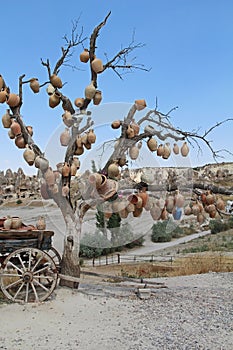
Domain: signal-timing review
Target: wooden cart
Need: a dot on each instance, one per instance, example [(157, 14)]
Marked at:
[(29, 265)]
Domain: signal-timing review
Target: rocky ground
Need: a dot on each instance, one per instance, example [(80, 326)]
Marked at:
[(193, 312)]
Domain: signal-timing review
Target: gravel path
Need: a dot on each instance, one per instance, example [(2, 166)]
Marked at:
[(194, 312)]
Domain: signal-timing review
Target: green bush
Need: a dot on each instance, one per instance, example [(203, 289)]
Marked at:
[(160, 233), (93, 246), (19, 201), (218, 226), (230, 222)]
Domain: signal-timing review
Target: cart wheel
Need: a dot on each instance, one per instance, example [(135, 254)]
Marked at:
[(53, 253), (28, 275)]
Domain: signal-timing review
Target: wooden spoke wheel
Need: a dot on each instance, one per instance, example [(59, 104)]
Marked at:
[(53, 253), (28, 275)]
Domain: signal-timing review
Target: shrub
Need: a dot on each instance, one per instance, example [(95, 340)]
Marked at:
[(93, 246), (160, 233), (19, 201), (218, 226)]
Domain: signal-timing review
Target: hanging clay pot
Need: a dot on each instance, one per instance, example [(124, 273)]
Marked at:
[(137, 212), (203, 198), (139, 203), (116, 124), (122, 161), (97, 98), (130, 207), (176, 148), (73, 169), (76, 161), (166, 151), (155, 212), (134, 152), (90, 91), (30, 130), (184, 149), (79, 151), (84, 138), (16, 222), (65, 190), (7, 223), (34, 85), (67, 119), (130, 132), (195, 209), (6, 119), (160, 150), (164, 214), (65, 137), (144, 196), (169, 203), (40, 224), (210, 198), (97, 179), (2, 83), (87, 145), (13, 100), (152, 144), (11, 134), (15, 128), (108, 189), (50, 89), (79, 102), (220, 204), (20, 142), (29, 156), (200, 218), (179, 200), (54, 99), (3, 96), (41, 163), (56, 81), (113, 170), (97, 65), (84, 56), (140, 104), (66, 170), (49, 177), (188, 210), (91, 137), (135, 127)]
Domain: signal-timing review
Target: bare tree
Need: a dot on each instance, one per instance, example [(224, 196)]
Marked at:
[(101, 187)]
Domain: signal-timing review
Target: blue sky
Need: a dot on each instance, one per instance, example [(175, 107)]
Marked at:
[(188, 46)]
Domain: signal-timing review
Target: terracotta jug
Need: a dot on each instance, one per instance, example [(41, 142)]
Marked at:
[(40, 224), (56, 81), (184, 149), (97, 180), (29, 156), (11, 134), (16, 223), (210, 199), (30, 130), (54, 99), (179, 200), (3, 96), (116, 124), (67, 119), (135, 127), (90, 91), (76, 161), (34, 85), (20, 142), (41, 163), (97, 98), (188, 210), (6, 119), (79, 150), (155, 212), (15, 128), (84, 56), (176, 148), (144, 196), (65, 137), (140, 104), (2, 83), (152, 144), (160, 150), (79, 102), (134, 152), (7, 223), (50, 89), (220, 204), (13, 100), (65, 190), (97, 65), (137, 212), (113, 170), (166, 151), (66, 170), (73, 169), (91, 137), (130, 132)]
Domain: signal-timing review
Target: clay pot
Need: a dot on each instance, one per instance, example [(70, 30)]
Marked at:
[(210, 199), (164, 214), (152, 144), (176, 148), (65, 137), (7, 223), (166, 151), (140, 104), (6, 119), (97, 65), (79, 150), (116, 124), (139, 203), (41, 163), (76, 161), (90, 91), (122, 161), (15, 128), (2, 83), (49, 177), (11, 134), (169, 203), (97, 179), (30, 130), (66, 170), (34, 85), (65, 190), (200, 218), (155, 212), (97, 98), (179, 200), (203, 198), (135, 127), (84, 56), (29, 156), (130, 132), (195, 209), (56, 81), (188, 210), (50, 89), (13, 100), (108, 189), (79, 102), (54, 99), (40, 224), (16, 223), (144, 196), (67, 119), (220, 204), (184, 149), (134, 152), (20, 142), (160, 150), (113, 170), (130, 207), (137, 212), (73, 169), (3, 96), (91, 137)]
